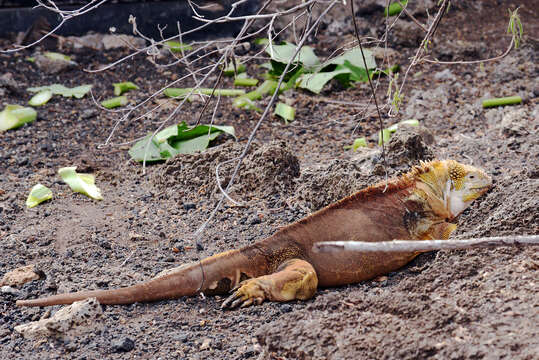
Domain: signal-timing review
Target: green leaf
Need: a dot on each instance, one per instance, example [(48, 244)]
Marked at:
[(38, 194), (81, 183), (287, 112), (315, 82), (114, 102), (357, 73), (395, 8), (120, 88), (14, 116), (283, 54), (359, 142), (41, 98), (57, 56), (178, 47), (147, 149), (353, 56), (59, 89), (230, 70), (199, 143), (177, 139)]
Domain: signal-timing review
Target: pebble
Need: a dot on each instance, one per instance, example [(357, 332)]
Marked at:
[(123, 344)]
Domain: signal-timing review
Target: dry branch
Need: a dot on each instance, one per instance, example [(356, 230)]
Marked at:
[(427, 245)]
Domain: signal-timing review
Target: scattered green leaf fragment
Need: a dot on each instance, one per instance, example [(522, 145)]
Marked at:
[(395, 8), (246, 103), (57, 56), (120, 88), (14, 116), (359, 142), (41, 98), (234, 68), (241, 81), (30, 59), (81, 183), (176, 139), (59, 89), (114, 102), (178, 47), (265, 88), (386, 133), (315, 82), (510, 100), (353, 56), (182, 92), (38, 194), (284, 53), (261, 41), (287, 112)]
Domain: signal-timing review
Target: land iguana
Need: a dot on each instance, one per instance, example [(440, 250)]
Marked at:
[(418, 205)]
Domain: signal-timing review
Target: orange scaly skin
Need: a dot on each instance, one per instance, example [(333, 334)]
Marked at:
[(283, 267)]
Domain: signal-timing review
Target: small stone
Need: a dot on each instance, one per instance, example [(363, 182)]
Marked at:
[(20, 276), (445, 75), (52, 66), (123, 344), (9, 290), (189, 206), (286, 308), (77, 316), (205, 344)]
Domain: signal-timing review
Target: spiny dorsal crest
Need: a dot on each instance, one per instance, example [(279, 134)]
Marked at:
[(456, 173)]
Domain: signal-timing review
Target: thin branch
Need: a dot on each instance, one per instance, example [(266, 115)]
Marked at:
[(426, 245)]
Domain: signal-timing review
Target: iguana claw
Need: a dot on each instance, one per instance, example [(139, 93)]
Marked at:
[(248, 292)]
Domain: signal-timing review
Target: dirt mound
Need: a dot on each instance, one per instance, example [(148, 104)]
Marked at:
[(510, 208), (265, 170), (326, 183)]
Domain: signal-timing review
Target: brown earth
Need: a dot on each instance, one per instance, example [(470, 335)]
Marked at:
[(448, 304)]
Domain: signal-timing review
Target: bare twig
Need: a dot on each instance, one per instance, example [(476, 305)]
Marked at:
[(427, 245)]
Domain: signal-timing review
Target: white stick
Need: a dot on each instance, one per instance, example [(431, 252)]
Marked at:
[(426, 245)]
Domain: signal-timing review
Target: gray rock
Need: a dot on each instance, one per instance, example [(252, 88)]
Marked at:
[(53, 66), (445, 75), (122, 344)]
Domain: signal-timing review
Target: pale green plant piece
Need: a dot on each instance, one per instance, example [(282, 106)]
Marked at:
[(510, 100), (359, 142), (38, 194), (14, 116), (182, 92), (515, 27), (178, 47), (57, 56), (81, 183), (230, 69), (393, 92), (59, 89), (287, 112), (41, 98), (114, 102), (176, 139), (120, 88)]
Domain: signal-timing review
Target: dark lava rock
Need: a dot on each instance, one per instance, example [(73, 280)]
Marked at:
[(123, 344)]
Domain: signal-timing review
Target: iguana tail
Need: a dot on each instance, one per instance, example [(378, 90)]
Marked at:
[(213, 275)]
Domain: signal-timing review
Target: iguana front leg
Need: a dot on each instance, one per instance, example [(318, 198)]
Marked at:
[(294, 279)]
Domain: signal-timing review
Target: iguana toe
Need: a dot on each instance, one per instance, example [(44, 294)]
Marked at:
[(249, 292)]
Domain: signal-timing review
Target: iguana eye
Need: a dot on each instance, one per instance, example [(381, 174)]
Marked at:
[(472, 177)]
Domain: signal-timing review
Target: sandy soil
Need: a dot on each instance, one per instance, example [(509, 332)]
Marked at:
[(447, 305)]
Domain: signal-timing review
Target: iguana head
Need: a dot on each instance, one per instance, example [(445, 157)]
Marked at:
[(465, 183), (452, 186)]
